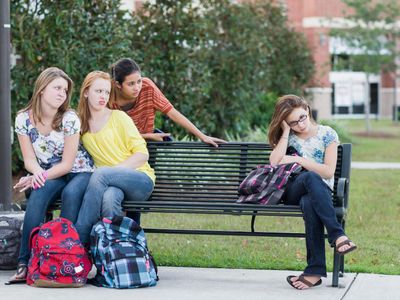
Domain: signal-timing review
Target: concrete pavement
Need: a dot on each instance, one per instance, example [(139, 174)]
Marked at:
[(374, 165), (221, 284)]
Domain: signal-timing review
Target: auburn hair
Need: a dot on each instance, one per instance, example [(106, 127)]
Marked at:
[(283, 107), (83, 106)]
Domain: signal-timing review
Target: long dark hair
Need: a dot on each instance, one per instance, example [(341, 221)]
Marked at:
[(118, 71)]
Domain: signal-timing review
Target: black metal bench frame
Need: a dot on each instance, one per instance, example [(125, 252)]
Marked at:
[(195, 178)]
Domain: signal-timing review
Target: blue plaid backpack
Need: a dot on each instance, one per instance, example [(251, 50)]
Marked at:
[(120, 253)]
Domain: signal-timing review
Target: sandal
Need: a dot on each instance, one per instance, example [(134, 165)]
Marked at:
[(346, 242), (303, 280), (20, 276)]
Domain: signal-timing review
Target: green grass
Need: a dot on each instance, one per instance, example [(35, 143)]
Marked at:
[(373, 223), (377, 147)]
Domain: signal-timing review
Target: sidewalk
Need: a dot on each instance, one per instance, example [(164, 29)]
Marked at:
[(220, 284), (374, 165)]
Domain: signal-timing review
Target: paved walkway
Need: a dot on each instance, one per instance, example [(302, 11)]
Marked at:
[(374, 165), (226, 284), (221, 284)]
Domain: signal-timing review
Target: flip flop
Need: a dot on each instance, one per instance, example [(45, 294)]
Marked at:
[(303, 280), (22, 270), (346, 242)]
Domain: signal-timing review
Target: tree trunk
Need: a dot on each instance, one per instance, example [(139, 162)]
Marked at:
[(366, 104)]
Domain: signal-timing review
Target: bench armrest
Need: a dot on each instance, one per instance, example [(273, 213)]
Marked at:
[(341, 191)]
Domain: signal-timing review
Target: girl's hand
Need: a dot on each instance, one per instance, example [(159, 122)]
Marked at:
[(24, 183), (158, 137), (212, 140), (285, 126), (287, 159), (38, 179)]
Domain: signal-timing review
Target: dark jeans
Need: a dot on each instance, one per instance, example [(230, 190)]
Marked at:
[(70, 188), (313, 195)]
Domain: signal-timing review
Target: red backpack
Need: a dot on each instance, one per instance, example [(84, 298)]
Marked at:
[(58, 258)]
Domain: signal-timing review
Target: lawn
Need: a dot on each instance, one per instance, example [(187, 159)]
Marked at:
[(373, 223), (382, 146)]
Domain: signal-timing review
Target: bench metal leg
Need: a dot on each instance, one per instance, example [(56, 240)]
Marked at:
[(341, 274), (253, 221), (49, 216), (336, 268)]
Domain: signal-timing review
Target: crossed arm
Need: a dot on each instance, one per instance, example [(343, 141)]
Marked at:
[(325, 170), (39, 176)]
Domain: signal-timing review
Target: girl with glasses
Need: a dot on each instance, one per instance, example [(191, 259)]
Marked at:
[(292, 125)]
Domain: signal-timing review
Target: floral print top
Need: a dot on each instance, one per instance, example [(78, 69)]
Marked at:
[(314, 147), (49, 148)]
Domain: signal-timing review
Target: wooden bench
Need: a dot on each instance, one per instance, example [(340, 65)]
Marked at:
[(195, 178)]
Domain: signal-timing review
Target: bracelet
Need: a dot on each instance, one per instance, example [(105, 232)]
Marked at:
[(284, 137)]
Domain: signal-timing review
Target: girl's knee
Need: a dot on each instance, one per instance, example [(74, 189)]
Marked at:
[(100, 173), (113, 194)]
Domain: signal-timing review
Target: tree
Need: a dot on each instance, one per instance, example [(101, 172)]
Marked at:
[(216, 60), (221, 64), (372, 35)]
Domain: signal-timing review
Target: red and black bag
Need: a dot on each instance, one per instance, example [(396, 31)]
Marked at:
[(58, 258), (266, 184)]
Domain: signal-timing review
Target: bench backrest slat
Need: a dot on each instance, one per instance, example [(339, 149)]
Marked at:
[(197, 172)]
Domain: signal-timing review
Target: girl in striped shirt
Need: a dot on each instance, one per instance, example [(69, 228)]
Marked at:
[(140, 98)]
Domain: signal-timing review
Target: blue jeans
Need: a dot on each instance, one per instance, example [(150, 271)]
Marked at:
[(314, 196), (107, 188), (70, 188)]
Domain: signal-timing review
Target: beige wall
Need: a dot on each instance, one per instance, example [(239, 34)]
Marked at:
[(320, 100), (386, 104)]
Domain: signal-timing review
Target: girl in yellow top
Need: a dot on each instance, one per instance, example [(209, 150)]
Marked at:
[(119, 153)]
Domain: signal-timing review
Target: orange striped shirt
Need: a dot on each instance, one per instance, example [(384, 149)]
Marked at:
[(150, 100)]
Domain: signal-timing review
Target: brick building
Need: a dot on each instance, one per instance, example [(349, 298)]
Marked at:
[(336, 93)]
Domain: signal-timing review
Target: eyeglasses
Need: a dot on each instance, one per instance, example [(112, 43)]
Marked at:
[(300, 120)]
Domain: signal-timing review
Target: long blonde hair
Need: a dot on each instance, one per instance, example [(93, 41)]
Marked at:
[(83, 107), (35, 103), (283, 107)]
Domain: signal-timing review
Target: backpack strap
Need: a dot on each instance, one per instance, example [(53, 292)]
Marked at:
[(33, 233), (97, 280)]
